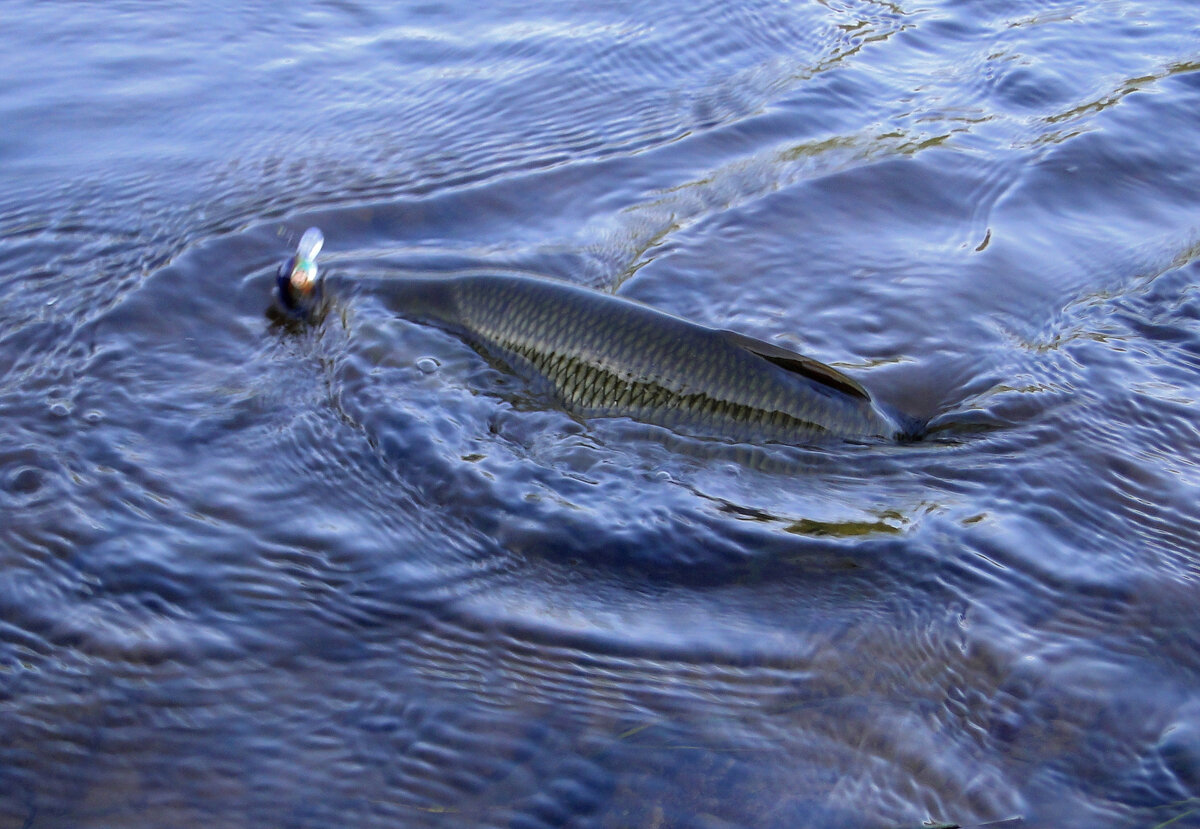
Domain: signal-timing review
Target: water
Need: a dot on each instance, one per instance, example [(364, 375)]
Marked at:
[(256, 573)]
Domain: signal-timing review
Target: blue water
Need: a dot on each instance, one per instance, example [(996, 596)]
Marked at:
[(354, 574)]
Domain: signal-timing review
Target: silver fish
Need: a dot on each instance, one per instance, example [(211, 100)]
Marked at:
[(599, 355)]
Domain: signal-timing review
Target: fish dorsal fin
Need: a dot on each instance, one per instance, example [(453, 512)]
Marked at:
[(799, 364)]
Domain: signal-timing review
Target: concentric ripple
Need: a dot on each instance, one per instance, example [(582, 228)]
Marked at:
[(256, 571)]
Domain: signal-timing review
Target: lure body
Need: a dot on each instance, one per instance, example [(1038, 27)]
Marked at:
[(296, 286), (603, 356)]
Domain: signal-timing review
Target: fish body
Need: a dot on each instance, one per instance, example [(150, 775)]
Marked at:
[(599, 355)]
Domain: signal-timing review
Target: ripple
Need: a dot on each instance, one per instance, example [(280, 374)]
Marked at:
[(353, 574)]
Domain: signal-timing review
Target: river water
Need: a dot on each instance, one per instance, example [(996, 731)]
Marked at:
[(259, 573)]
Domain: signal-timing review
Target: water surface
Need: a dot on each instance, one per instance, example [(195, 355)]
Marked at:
[(353, 574)]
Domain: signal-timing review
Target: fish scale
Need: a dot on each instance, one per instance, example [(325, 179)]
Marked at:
[(601, 355)]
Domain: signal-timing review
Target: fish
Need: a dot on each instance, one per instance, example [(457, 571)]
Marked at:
[(601, 355)]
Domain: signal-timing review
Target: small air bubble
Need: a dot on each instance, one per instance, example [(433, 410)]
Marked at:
[(26, 481)]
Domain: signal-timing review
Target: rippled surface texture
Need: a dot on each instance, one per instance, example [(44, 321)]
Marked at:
[(354, 574)]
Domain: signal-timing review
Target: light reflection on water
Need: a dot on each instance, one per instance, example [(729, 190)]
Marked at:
[(258, 574)]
